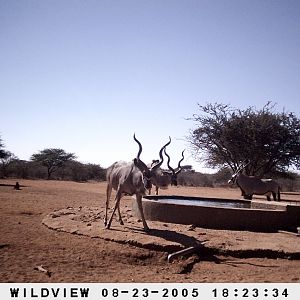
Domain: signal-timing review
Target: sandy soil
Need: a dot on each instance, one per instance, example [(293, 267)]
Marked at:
[(25, 244)]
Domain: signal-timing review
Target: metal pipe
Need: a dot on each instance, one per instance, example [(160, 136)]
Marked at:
[(185, 251)]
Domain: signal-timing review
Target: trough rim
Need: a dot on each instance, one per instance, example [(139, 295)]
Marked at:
[(281, 206)]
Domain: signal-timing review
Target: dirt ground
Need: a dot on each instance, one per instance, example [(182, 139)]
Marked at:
[(26, 244)]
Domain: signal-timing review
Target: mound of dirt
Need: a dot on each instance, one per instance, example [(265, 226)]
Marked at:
[(169, 237)]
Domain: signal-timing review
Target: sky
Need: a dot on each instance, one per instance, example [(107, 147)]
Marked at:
[(85, 75)]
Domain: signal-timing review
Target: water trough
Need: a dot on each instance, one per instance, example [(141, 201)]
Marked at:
[(218, 213)]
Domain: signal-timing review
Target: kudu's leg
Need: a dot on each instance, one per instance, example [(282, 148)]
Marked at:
[(274, 196), (117, 202), (156, 188), (119, 214), (140, 206), (108, 194), (278, 194)]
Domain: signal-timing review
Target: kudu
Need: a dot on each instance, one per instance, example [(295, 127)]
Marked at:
[(129, 178), (163, 178), (251, 185)]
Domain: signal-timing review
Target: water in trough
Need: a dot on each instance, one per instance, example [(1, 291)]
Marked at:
[(207, 202)]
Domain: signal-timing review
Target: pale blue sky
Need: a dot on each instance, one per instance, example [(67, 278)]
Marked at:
[(85, 75)]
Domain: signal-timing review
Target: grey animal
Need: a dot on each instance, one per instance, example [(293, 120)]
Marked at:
[(129, 178), (251, 185), (163, 178)]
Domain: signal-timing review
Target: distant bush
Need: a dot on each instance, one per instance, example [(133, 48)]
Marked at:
[(290, 185), (195, 179), (77, 171), (73, 170)]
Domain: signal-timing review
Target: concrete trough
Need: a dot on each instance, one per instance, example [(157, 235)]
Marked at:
[(215, 214)]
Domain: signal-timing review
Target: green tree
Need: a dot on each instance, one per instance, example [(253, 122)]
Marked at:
[(52, 159), (225, 137)]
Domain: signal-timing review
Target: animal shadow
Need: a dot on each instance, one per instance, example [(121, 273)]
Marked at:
[(182, 240), (177, 237)]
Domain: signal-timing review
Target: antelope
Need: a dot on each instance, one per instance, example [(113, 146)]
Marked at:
[(163, 178), (129, 178), (250, 185)]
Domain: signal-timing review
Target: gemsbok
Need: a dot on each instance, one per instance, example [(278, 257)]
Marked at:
[(251, 185), (129, 178)]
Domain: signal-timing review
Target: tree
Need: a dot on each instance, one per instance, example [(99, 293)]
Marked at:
[(225, 137), (2, 151), (6, 160), (20, 169), (52, 159)]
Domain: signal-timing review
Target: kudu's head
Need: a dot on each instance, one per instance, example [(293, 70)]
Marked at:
[(173, 174), (148, 172)]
